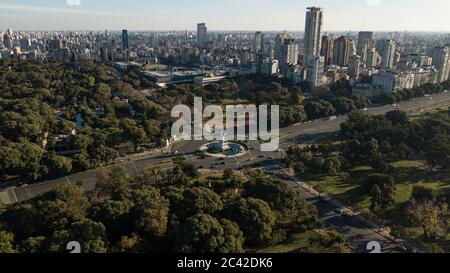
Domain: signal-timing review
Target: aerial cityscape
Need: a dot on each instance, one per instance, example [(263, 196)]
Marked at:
[(359, 122)]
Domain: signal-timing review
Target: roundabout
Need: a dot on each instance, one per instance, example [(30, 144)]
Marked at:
[(223, 149)]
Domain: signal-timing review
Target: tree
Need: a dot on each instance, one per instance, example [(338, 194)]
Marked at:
[(64, 205), (114, 184), (422, 194), (397, 117), (177, 177), (343, 105), (200, 200), (24, 220), (332, 165), (115, 215), (81, 162), (319, 109), (57, 165), (279, 195), (91, 235), (429, 217), (150, 177), (203, 233), (151, 211), (232, 179), (33, 245), (190, 170), (9, 160), (382, 190), (105, 154), (255, 219), (128, 244), (7, 242)]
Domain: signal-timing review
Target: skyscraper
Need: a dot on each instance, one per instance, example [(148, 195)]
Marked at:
[(341, 51), (313, 31), (289, 52), (125, 42), (259, 42), (365, 43), (327, 49), (25, 43), (441, 60), (386, 49), (202, 35), (279, 42), (7, 41), (372, 58), (354, 66), (314, 70)]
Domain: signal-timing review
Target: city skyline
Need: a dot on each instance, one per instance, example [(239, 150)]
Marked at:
[(224, 15)]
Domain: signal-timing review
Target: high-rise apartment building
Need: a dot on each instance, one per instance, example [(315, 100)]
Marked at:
[(259, 42), (202, 35), (365, 43), (314, 70), (290, 52), (341, 51), (441, 60), (279, 42), (372, 58), (7, 41), (327, 49), (125, 41), (313, 32), (386, 49), (354, 66)]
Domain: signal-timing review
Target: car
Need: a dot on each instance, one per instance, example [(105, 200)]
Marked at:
[(345, 229), (445, 91), (261, 156), (403, 248)]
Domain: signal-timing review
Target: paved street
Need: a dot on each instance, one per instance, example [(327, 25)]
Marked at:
[(303, 133), (357, 230)]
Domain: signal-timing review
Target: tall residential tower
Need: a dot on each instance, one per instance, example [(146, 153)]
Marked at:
[(313, 31), (202, 35), (125, 42)]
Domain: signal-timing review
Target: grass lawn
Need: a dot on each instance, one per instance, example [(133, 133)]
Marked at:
[(407, 175), (298, 243)]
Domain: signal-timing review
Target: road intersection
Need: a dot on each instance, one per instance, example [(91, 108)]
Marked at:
[(358, 232)]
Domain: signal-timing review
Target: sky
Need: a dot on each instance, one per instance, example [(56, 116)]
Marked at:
[(266, 15)]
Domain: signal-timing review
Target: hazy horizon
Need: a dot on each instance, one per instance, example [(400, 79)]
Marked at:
[(224, 15)]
